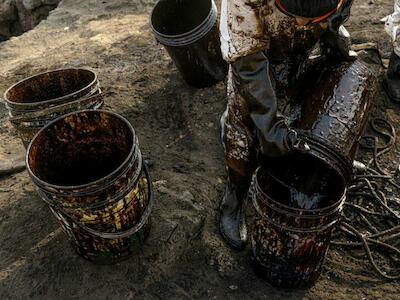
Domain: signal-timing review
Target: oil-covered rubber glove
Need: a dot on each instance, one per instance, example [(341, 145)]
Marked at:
[(336, 45), (252, 79), (295, 143), (336, 42), (340, 17)]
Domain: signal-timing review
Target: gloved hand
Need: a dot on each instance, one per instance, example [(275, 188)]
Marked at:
[(336, 41), (340, 17), (336, 45), (295, 143), (252, 80)]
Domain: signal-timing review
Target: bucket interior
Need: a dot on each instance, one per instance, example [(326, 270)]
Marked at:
[(51, 85), (301, 181), (80, 148), (176, 17)]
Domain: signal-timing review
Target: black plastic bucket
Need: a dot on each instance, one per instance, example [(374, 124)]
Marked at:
[(330, 110), (189, 32), (88, 167), (37, 100), (298, 200)]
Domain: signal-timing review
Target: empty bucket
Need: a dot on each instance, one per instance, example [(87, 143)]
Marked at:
[(36, 100), (189, 32), (298, 200), (88, 167)]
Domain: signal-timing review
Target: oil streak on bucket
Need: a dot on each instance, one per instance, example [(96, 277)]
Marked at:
[(298, 200), (189, 32), (88, 167), (37, 100)]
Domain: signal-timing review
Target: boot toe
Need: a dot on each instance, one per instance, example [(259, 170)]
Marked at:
[(234, 231)]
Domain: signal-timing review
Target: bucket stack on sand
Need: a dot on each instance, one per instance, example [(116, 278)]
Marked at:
[(37, 100), (298, 200), (85, 163), (88, 167)]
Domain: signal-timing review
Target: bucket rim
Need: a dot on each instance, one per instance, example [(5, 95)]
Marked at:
[(15, 112), (47, 185), (38, 115), (323, 151), (12, 104), (190, 36), (301, 211)]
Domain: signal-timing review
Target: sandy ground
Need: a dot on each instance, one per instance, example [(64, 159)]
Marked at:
[(178, 127)]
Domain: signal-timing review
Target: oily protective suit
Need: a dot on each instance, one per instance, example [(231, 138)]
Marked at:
[(392, 78), (392, 27), (266, 49)]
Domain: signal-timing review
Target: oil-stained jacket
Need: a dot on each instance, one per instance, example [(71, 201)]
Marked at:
[(249, 26)]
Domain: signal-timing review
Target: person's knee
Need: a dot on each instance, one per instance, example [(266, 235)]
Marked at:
[(240, 147)]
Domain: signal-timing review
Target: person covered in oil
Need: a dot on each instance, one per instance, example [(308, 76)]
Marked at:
[(266, 43), (391, 80)]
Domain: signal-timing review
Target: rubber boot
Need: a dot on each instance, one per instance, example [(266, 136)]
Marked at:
[(232, 221), (391, 81)]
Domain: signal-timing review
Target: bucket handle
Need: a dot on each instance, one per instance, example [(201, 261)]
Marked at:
[(113, 235)]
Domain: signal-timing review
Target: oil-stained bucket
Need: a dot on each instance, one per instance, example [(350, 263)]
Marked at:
[(298, 200), (36, 100), (88, 167), (330, 111), (189, 32)]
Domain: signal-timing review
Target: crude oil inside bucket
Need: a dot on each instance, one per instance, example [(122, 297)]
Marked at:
[(301, 181), (190, 34), (88, 167), (298, 199), (81, 152)]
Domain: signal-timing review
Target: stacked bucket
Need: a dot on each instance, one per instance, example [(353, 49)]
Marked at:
[(88, 167), (85, 162), (37, 100)]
